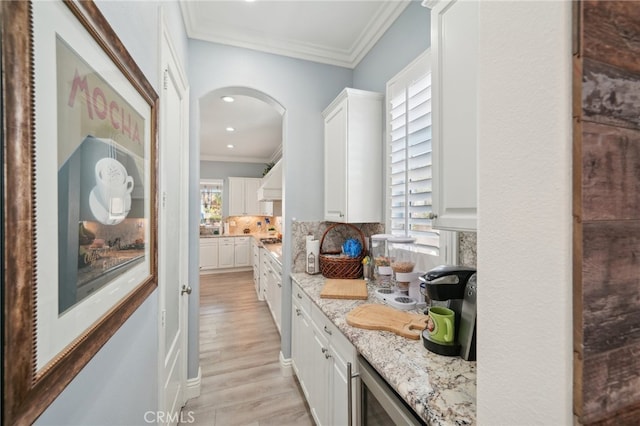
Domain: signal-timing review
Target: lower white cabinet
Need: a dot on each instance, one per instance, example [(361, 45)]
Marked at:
[(255, 254), (208, 253), (320, 353), (242, 252), (226, 253)]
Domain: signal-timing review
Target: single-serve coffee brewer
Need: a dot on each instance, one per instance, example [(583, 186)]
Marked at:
[(451, 329)]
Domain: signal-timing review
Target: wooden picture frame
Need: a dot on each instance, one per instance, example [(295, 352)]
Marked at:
[(31, 380)]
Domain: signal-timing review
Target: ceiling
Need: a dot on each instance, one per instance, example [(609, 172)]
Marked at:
[(334, 32)]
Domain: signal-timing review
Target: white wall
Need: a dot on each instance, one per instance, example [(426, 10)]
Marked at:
[(524, 225)]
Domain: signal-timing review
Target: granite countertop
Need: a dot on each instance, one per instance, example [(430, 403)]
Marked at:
[(440, 389)]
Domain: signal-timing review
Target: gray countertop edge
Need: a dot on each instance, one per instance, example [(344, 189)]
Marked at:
[(441, 390)]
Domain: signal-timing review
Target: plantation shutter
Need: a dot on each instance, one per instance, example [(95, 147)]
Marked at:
[(410, 162)]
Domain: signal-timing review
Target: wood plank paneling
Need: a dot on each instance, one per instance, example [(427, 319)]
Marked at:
[(610, 95), (610, 172), (611, 285), (606, 208), (612, 383), (611, 33)]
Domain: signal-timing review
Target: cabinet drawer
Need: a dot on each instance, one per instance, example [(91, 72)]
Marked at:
[(241, 240), (226, 240), (301, 297), (337, 340)]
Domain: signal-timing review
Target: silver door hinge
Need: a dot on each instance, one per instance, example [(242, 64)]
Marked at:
[(164, 199), (166, 79)]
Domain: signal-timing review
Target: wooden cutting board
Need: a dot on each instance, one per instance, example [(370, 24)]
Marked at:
[(344, 289), (381, 317)]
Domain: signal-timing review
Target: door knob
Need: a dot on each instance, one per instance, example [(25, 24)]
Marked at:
[(185, 289)]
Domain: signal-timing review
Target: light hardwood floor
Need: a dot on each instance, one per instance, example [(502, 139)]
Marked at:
[(242, 383)]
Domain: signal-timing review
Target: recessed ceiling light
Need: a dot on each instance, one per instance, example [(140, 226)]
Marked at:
[(230, 146), (230, 129), (228, 99)]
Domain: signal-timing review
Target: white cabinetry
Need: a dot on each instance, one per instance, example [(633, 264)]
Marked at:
[(320, 353), (454, 49), (301, 338), (243, 196), (208, 254), (242, 252), (353, 157), (255, 250), (275, 283), (226, 253)]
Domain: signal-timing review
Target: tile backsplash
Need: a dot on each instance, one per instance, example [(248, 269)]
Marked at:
[(467, 241), (333, 240)]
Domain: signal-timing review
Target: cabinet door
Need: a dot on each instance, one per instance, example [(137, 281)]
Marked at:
[(242, 253), (301, 345), (338, 393), (277, 298), (226, 254), (236, 196), (454, 48), (208, 255), (266, 208), (335, 171), (252, 205), (319, 380)]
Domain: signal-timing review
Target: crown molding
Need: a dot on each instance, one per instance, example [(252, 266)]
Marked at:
[(300, 50)]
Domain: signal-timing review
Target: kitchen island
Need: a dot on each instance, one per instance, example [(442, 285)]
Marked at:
[(441, 390)]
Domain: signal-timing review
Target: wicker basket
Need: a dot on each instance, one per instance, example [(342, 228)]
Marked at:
[(341, 267)]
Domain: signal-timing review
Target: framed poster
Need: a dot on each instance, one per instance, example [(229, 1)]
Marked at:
[(79, 195)]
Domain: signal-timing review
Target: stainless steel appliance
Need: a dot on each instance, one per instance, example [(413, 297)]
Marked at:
[(456, 288), (379, 403)]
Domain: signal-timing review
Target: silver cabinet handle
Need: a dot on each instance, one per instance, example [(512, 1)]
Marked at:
[(298, 312), (279, 284), (326, 330), (432, 216), (298, 294), (324, 350), (185, 289), (350, 394), (327, 355)]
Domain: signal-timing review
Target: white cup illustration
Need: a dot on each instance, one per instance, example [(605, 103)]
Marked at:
[(113, 185)]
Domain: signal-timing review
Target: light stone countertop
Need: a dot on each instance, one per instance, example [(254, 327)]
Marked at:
[(440, 389)]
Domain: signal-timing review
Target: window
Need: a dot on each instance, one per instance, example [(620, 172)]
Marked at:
[(409, 156), (211, 201)]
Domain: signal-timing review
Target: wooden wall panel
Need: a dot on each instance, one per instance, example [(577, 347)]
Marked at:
[(606, 207), (611, 33), (613, 383), (611, 286), (610, 95), (610, 172)]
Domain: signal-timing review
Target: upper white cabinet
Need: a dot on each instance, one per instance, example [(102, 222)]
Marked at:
[(243, 196), (454, 48), (353, 157)]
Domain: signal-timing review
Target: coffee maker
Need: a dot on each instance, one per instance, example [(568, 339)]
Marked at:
[(456, 288)]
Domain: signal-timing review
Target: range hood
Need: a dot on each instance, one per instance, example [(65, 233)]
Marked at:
[(271, 186)]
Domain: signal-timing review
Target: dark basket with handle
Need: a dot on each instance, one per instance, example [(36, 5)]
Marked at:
[(333, 266)]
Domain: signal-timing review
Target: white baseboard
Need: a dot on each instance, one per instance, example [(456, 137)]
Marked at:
[(286, 366), (192, 389)]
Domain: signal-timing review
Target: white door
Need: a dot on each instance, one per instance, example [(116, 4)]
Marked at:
[(173, 234)]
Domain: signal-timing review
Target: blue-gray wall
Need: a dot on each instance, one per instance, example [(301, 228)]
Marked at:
[(120, 383), (409, 36), (304, 89)]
